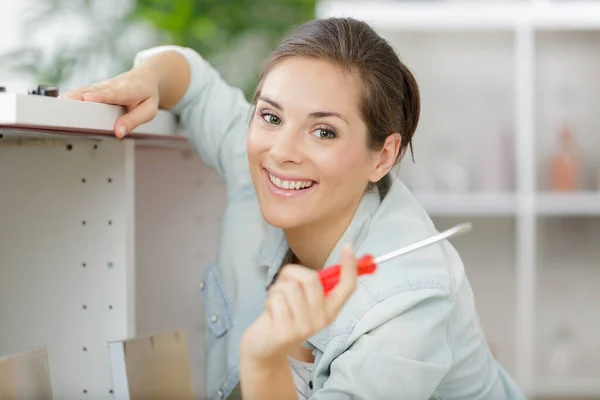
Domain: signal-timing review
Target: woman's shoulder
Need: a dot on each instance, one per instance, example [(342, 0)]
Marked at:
[(400, 221), (426, 278)]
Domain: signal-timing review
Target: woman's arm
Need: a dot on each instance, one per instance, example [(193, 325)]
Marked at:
[(160, 78), (172, 73), (267, 380), (213, 114)]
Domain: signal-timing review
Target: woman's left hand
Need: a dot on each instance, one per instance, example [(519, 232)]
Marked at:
[(297, 308)]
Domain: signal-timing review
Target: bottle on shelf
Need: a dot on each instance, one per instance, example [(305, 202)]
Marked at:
[(566, 163)]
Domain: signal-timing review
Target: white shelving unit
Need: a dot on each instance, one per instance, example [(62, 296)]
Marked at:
[(523, 67), (100, 239)]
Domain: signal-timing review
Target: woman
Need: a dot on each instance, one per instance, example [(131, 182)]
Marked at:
[(334, 111)]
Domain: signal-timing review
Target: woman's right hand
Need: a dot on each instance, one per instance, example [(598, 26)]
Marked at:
[(137, 90)]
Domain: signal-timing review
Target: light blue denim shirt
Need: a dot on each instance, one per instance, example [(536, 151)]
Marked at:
[(410, 331)]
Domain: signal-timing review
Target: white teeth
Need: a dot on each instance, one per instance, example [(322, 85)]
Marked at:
[(289, 185)]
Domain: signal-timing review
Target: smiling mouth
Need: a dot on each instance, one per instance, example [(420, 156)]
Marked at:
[(289, 184)]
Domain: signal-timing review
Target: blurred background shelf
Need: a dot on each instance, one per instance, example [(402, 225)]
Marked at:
[(575, 204), (425, 15), (462, 15), (505, 204), (500, 83), (568, 388), (468, 204)]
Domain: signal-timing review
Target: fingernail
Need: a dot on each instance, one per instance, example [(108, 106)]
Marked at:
[(122, 130)]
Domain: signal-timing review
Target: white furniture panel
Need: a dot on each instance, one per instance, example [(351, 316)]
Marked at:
[(74, 276), (66, 259), (179, 206)]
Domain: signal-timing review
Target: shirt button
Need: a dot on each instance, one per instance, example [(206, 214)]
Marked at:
[(220, 394), (214, 318), (202, 285)]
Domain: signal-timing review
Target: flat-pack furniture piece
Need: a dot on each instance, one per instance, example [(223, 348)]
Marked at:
[(25, 376), (101, 239), (151, 367)]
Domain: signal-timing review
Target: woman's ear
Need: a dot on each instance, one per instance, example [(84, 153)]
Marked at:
[(385, 158)]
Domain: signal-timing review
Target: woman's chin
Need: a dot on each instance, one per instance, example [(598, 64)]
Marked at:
[(283, 219)]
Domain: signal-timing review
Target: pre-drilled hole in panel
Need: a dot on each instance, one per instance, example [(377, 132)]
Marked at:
[(84, 307), (69, 147), (109, 222), (83, 265), (85, 349), (109, 180), (109, 264), (84, 391), (95, 146), (83, 222), (82, 180), (110, 307)]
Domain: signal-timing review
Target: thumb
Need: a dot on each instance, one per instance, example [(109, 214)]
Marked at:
[(346, 285), (142, 113)]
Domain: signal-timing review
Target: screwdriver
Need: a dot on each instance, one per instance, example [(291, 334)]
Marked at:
[(367, 264)]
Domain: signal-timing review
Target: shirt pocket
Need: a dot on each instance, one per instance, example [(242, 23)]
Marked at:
[(216, 307)]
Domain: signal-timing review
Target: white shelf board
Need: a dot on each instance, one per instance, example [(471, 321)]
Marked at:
[(423, 15), (33, 115), (573, 15), (582, 203), (442, 15), (468, 204), (568, 388)]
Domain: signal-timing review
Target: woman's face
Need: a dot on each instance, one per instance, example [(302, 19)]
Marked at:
[(307, 144)]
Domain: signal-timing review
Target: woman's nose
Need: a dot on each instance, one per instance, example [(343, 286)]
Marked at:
[(287, 147)]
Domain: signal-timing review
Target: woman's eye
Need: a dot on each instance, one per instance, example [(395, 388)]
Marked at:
[(271, 119), (323, 133)]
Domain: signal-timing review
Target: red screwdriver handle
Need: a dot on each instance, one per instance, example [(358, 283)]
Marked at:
[(330, 276)]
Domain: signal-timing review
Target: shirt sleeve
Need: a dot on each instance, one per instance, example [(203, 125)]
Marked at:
[(405, 357), (214, 116)]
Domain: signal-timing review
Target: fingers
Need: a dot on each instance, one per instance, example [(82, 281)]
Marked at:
[(346, 285), (296, 304), (77, 94), (131, 89), (310, 284), (122, 96), (280, 315), (142, 113), (302, 315)]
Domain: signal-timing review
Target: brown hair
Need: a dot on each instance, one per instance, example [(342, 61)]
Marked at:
[(390, 103)]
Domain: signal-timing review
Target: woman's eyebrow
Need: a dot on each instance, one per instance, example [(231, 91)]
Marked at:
[(315, 114), (271, 102), (323, 114)]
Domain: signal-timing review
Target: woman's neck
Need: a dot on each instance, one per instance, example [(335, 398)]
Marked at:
[(312, 244)]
